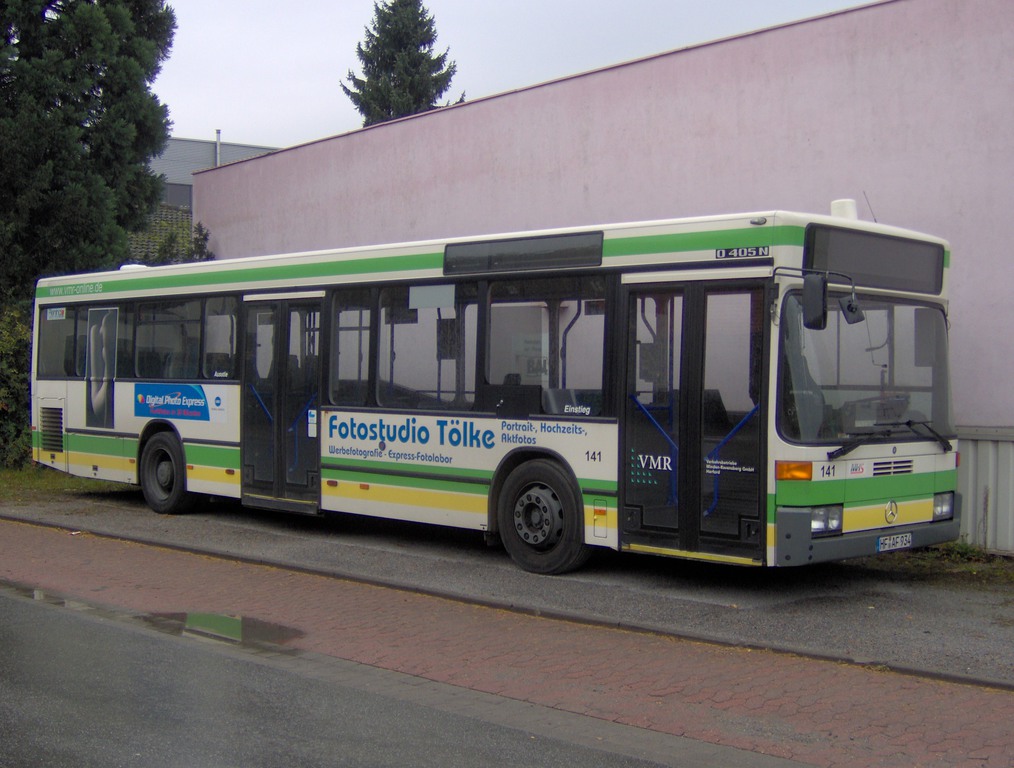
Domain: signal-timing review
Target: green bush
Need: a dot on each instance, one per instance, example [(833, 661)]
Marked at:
[(15, 435)]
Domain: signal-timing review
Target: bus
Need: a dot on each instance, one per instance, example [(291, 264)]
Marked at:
[(766, 389)]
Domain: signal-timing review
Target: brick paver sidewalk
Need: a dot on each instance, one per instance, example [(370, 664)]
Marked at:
[(816, 712)]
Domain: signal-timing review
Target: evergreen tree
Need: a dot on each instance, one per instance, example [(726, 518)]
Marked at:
[(401, 74), (78, 125)]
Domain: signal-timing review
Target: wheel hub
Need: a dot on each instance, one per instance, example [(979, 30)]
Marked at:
[(164, 475), (538, 516)]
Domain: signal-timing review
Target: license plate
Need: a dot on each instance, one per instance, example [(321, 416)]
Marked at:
[(896, 541)]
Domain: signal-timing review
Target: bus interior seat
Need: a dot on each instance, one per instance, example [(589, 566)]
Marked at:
[(182, 363), (151, 363)]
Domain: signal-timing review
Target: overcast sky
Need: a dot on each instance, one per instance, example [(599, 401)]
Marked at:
[(268, 73)]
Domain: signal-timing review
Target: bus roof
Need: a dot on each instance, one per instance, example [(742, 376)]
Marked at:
[(688, 242)]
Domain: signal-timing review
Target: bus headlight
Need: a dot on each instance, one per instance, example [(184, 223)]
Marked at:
[(943, 506), (825, 521)]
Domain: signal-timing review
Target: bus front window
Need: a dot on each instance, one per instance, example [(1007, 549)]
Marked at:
[(886, 375)]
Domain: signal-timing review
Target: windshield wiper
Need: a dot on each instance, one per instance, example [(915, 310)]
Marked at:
[(944, 442), (866, 437), (858, 440)]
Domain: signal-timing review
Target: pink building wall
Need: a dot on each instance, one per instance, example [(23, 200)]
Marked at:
[(907, 102)]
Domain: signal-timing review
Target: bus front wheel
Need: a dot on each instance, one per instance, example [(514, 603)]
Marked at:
[(163, 475), (541, 519)]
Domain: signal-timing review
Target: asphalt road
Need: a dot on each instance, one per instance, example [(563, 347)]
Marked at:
[(81, 689), (841, 611)]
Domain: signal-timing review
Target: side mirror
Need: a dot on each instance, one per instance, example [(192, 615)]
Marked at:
[(815, 301)]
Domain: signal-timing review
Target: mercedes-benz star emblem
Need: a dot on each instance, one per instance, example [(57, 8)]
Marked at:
[(891, 511)]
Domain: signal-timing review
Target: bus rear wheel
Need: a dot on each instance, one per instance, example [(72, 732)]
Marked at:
[(541, 519), (164, 475)]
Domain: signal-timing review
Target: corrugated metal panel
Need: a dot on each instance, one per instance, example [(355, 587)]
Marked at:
[(986, 482), (233, 152), (183, 157)]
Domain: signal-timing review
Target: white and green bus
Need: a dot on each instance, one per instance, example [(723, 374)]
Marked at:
[(759, 389)]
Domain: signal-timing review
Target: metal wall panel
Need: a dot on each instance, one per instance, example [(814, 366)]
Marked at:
[(986, 482), (183, 157)]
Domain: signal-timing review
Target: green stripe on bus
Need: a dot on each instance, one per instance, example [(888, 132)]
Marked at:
[(114, 445), (226, 457), (946, 481), (37, 441), (405, 481), (859, 491), (598, 487), (589, 498), (588, 487), (383, 467), (295, 273), (703, 241)]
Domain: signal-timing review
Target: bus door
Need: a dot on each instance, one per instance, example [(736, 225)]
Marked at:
[(279, 438), (693, 433)]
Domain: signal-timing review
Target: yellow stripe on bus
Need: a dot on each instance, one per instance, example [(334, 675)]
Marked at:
[(458, 502), (212, 474), (705, 556), (601, 516), (102, 461), (414, 497), (879, 516)]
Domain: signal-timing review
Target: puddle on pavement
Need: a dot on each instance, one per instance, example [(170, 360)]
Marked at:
[(237, 630), (242, 631)]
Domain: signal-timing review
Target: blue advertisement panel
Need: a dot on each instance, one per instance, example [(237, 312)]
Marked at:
[(171, 401)]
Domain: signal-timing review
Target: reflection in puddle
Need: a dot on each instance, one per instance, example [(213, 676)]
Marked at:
[(238, 630), (242, 631)]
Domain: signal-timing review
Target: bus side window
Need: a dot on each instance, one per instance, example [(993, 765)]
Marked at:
[(168, 339), (56, 342), (125, 343), (220, 338), (549, 335), (427, 346), (350, 346)]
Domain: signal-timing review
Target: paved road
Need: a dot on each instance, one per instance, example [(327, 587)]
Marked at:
[(755, 703), (840, 611), (82, 687)]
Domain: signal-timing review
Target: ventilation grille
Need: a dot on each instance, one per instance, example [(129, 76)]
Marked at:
[(896, 467), (51, 423)]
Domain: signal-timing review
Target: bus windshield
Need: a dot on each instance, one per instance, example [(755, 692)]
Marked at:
[(885, 377)]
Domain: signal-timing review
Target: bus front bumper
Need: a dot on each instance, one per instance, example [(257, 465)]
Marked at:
[(796, 545)]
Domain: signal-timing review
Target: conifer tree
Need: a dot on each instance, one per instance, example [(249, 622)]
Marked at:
[(401, 73), (78, 125)]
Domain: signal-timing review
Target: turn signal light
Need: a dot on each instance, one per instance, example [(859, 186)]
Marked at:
[(793, 470)]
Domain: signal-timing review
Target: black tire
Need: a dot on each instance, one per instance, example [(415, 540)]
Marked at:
[(164, 475), (541, 519)]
